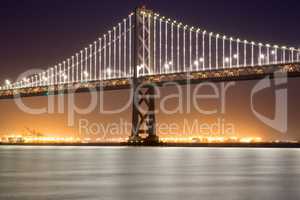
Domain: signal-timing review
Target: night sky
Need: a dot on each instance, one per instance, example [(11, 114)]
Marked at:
[(40, 33)]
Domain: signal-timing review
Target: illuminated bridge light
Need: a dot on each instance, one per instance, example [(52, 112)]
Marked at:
[(155, 48), (196, 63), (86, 74), (7, 82), (173, 47)]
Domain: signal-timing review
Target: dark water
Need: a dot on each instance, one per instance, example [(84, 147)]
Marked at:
[(63, 173)]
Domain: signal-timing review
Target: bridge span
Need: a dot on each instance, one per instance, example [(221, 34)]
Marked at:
[(147, 49)]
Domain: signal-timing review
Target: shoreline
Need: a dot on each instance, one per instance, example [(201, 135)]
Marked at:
[(210, 145)]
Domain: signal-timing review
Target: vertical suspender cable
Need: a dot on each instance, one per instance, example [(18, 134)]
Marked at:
[(197, 50), (245, 53), (68, 76), (154, 46), (120, 49), (217, 51), (166, 46), (160, 45), (203, 50), (125, 48), (104, 67), (109, 55), (81, 66), (224, 59), (149, 44), (230, 52), (237, 52), (172, 47), (72, 70), (191, 49), (209, 50), (184, 46), (252, 54), (178, 47), (100, 59), (92, 55), (77, 67), (86, 64), (95, 63), (115, 54), (130, 46)]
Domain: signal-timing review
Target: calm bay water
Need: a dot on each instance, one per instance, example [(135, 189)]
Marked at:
[(63, 173)]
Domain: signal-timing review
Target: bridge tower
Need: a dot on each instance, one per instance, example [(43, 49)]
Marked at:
[(143, 110)]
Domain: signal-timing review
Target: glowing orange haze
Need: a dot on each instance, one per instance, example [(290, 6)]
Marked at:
[(237, 112)]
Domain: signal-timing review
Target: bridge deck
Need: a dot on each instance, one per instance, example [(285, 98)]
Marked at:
[(234, 74)]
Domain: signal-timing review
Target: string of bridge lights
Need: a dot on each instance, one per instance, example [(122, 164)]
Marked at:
[(98, 61), (176, 48), (241, 52)]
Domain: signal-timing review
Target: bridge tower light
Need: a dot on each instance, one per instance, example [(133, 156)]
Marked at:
[(85, 74), (196, 63), (226, 62), (109, 72), (7, 82), (167, 66), (65, 77)]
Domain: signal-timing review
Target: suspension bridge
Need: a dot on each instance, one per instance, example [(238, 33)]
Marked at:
[(147, 49)]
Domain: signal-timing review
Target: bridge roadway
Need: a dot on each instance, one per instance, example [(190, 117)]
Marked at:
[(222, 75)]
